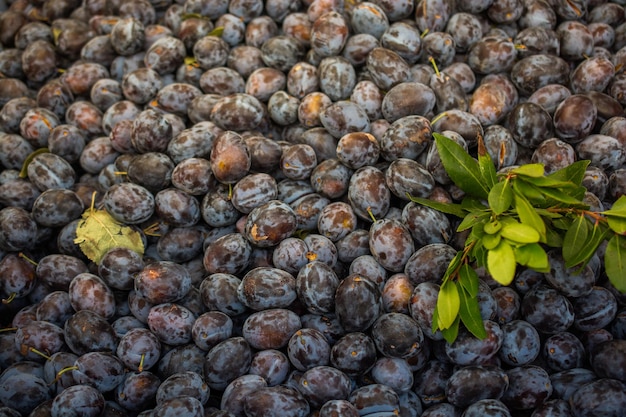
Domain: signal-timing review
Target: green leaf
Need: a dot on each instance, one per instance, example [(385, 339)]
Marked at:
[(530, 191), (617, 224), (549, 182), (487, 168), (447, 304), (528, 215), (562, 197), (472, 219), (448, 208), (192, 61), (533, 256), (462, 169), (615, 262), (450, 334), (468, 278), (477, 232), (452, 266), (575, 237), (574, 172), (435, 325), (187, 16), (491, 241), (589, 247), (553, 238), (24, 171), (562, 223), (501, 263), (471, 203), (548, 214), (469, 312), (479, 253), (492, 227), (520, 233), (500, 197), (529, 170), (618, 209), (217, 31), (578, 193)]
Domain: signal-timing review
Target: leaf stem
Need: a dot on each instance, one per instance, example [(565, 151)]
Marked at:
[(454, 275), (143, 357), (9, 299), (8, 329), (598, 217), (369, 211), (62, 371), (40, 353), (26, 258)]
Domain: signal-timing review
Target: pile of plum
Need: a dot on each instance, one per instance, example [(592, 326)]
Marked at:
[(264, 151)]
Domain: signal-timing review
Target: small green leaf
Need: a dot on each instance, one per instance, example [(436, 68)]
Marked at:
[(520, 233), (548, 214), (448, 208), (589, 247), (529, 170), (562, 223), (453, 265), (469, 312), (521, 255), (435, 325), (573, 172), (24, 171), (553, 239), (468, 278), (618, 209), (500, 197), (447, 304), (56, 33), (528, 215), (487, 168), (533, 256), (575, 237), (491, 241), (615, 262), (192, 61), (471, 203), (187, 16), (492, 227), (501, 263), (472, 219), (462, 169), (549, 182), (217, 31), (476, 233), (578, 193), (450, 334), (617, 224), (561, 197), (479, 254), (528, 190)]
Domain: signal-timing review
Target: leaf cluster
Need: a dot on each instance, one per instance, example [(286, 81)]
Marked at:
[(512, 218)]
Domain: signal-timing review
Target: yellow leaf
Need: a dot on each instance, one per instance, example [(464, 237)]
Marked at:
[(97, 233)]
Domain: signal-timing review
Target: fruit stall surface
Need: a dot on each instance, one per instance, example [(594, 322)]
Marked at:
[(293, 208)]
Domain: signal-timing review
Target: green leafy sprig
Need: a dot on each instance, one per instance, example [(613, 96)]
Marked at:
[(512, 217)]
